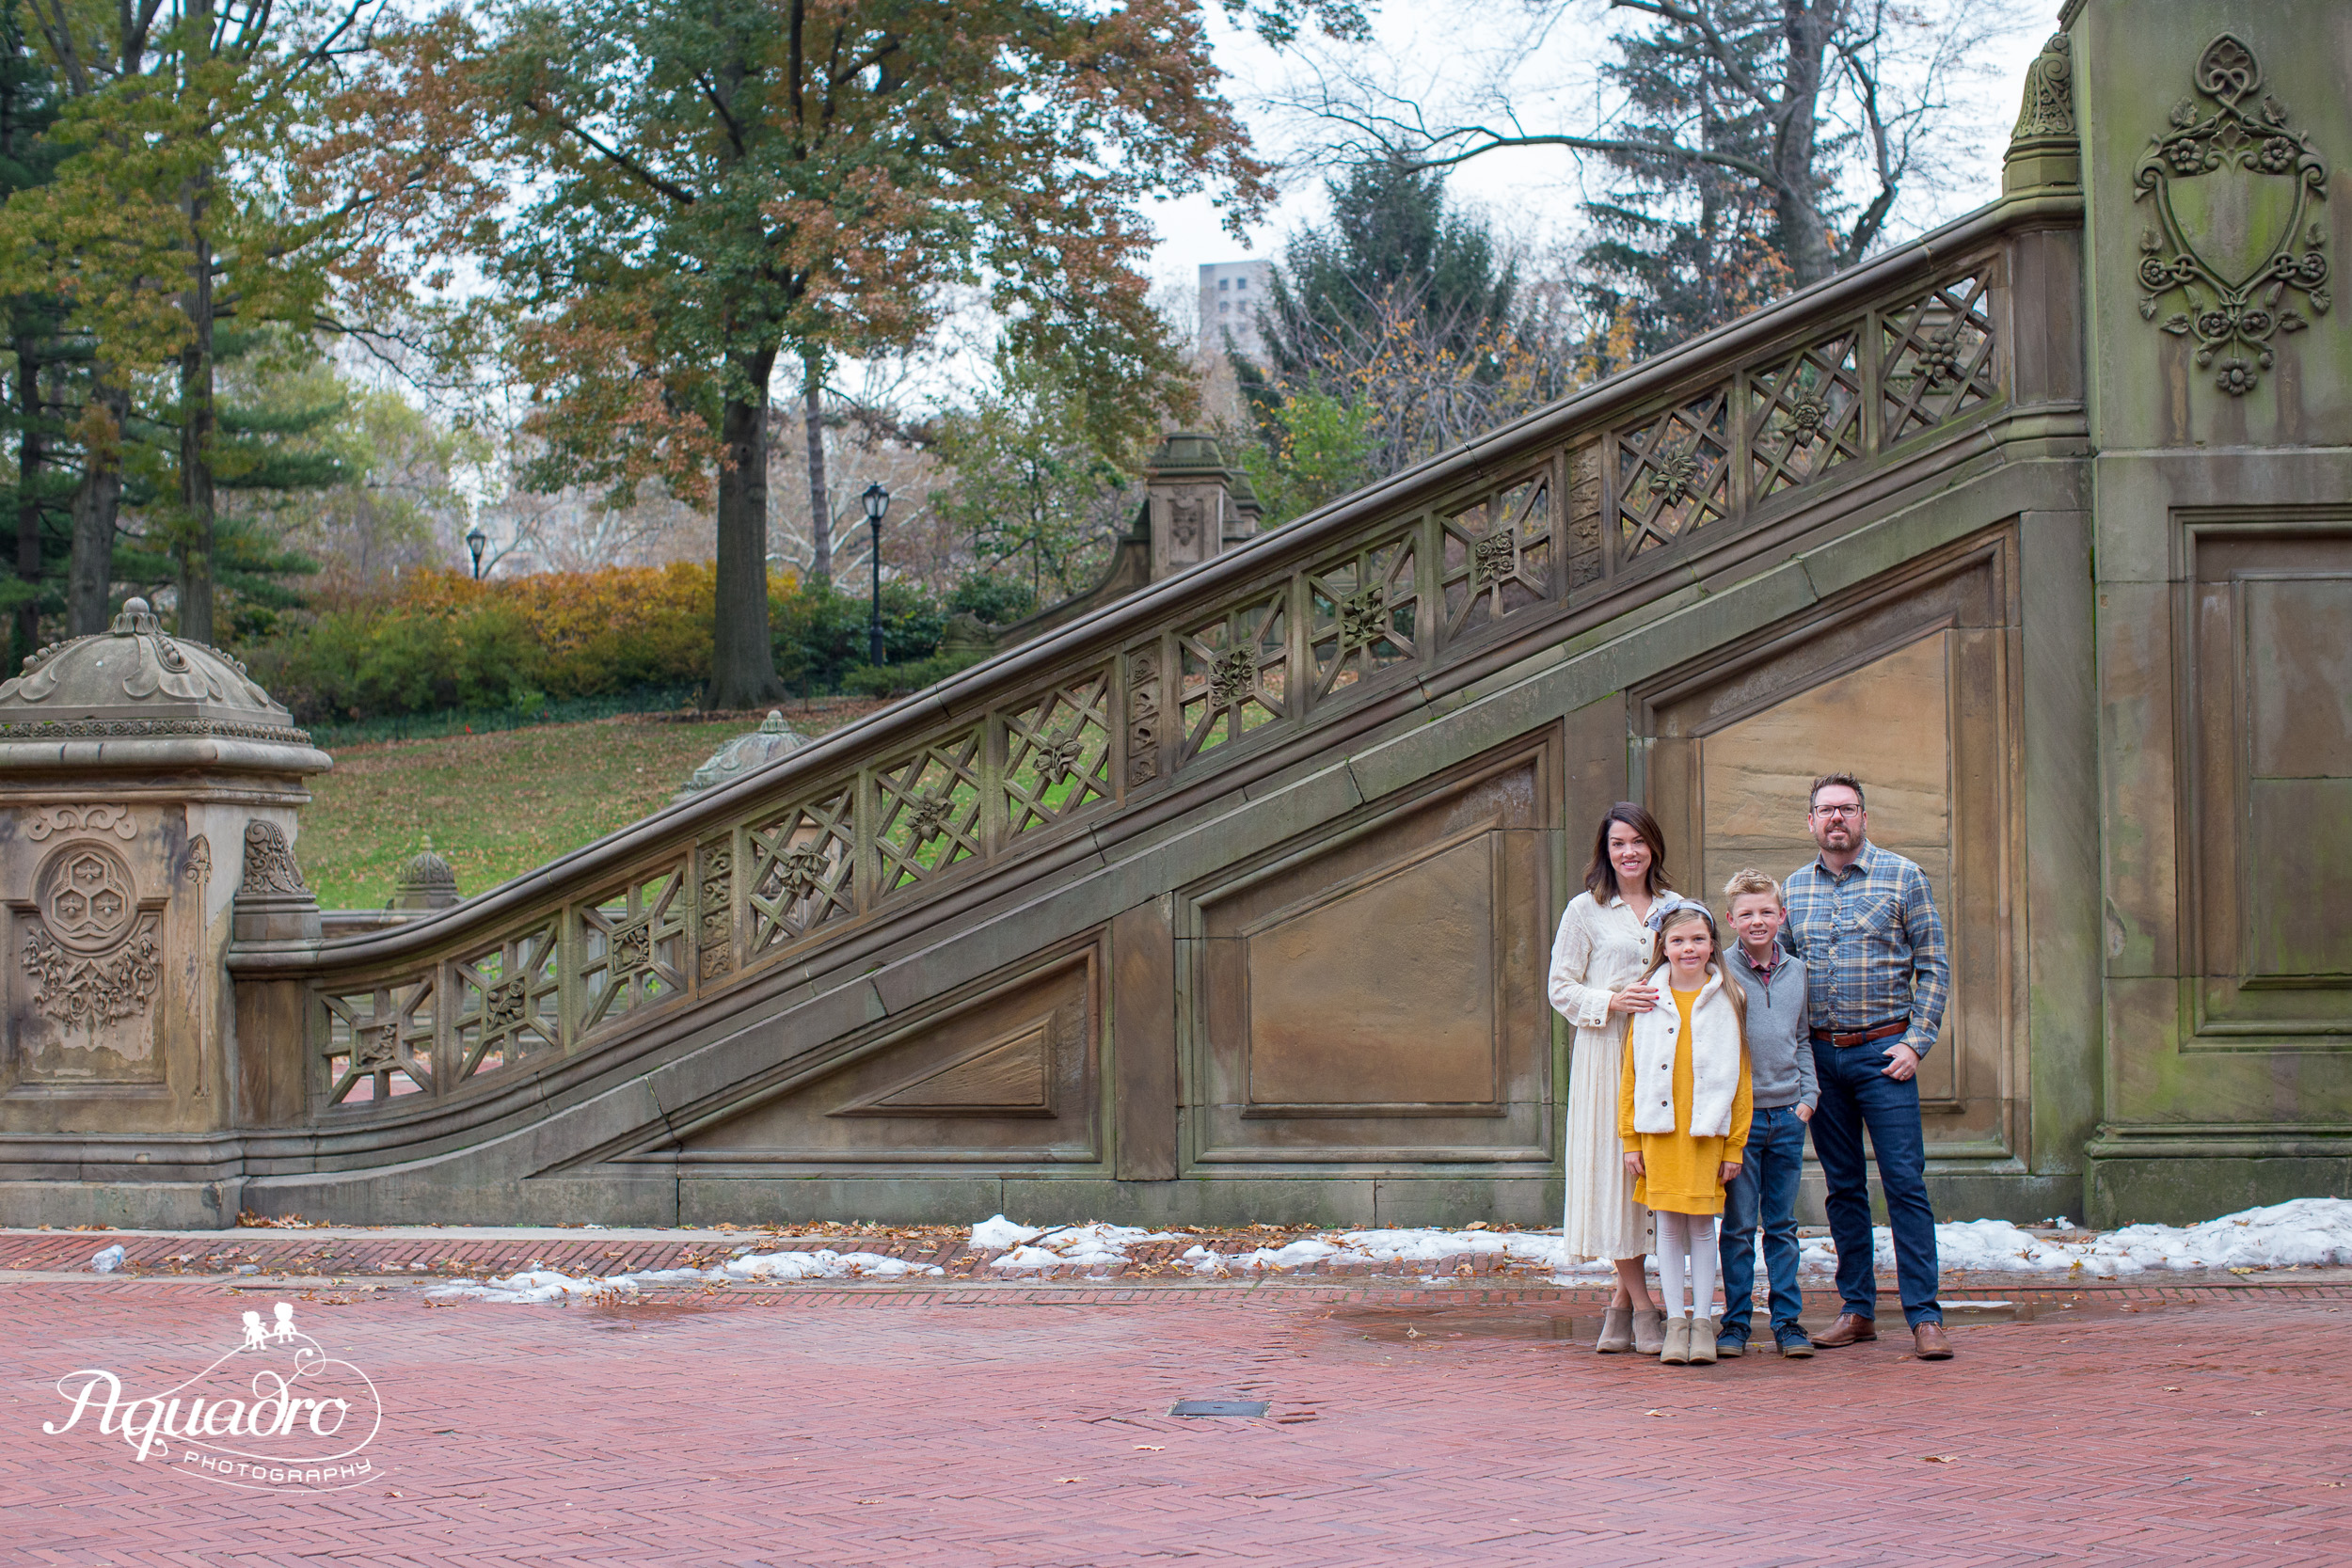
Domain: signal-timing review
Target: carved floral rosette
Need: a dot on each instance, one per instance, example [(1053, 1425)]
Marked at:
[(2232, 184)]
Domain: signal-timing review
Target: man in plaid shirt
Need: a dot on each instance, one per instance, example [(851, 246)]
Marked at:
[(1863, 920)]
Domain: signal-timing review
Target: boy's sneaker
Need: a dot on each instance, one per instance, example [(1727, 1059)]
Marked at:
[(1796, 1348), (1730, 1347)]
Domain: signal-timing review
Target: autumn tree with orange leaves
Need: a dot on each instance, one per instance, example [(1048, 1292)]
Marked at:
[(707, 188)]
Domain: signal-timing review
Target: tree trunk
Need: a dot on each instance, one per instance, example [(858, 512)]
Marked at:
[(1795, 208), (197, 415), (197, 419), (89, 575), (819, 501), (31, 457), (742, 657)]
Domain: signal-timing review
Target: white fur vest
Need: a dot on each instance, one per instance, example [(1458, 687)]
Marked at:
[(1715, 1060)]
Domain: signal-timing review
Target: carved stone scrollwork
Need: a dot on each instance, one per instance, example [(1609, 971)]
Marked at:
[(1143, 716), (2048, 110), (270, 867), (89, 991), (46, 822), (199, 867), (715, 934), (2230, 185)]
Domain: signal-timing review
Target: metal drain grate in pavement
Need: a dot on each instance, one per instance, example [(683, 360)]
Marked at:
[(1217, 1407)]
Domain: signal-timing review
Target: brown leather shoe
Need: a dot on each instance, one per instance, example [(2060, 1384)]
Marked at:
[(1931, 1343), (1848, 1330)]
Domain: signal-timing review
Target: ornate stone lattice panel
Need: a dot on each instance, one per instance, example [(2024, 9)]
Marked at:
[(1364, 614), (1235, 675), (633, 945), (803, 870), (379, 1043), (2231, 186), (1937, 357), (928, 811), (1674, 473), (1057, 753), (1499, 557), (509, 1003), (1806, 414)]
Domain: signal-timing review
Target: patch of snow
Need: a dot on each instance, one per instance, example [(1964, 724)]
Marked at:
[(825, 1263), (535, 1286), (2308, 1232), (1093, 1245), (993, 1234)]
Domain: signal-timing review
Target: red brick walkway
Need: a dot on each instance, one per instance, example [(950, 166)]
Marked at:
[(1027, 1426)]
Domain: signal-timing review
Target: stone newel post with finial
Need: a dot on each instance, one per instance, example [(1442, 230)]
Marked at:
[(148, 796)]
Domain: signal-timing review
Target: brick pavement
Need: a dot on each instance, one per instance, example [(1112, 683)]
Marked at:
[(1026, 1425)]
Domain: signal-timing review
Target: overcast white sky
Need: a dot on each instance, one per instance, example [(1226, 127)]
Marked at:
[(1444, 52)]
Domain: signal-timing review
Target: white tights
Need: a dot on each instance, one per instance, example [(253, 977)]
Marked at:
[(1694, 1234)]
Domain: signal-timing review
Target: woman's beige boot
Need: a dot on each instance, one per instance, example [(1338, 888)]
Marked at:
[(1649, 1331), (1675, 1352), (1702, 1345), (1617, 1332)]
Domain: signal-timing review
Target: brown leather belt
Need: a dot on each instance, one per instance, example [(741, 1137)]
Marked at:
[(1883, 1032)]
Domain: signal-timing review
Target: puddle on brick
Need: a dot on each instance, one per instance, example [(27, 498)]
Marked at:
[(622, 1318), (1437, 1325)]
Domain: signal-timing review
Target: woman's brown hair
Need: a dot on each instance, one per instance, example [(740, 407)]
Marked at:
[(1600, 877), (1734, 992)]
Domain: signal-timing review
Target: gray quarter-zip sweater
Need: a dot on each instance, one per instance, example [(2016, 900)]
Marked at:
[(1780, 1039)]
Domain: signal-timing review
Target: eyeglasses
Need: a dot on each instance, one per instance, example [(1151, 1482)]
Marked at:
[(1837, 810)]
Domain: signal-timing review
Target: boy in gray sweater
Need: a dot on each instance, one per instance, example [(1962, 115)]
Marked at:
[(1780, 1067)]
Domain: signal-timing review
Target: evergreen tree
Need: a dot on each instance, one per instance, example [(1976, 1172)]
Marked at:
[(42, 353), (1687, 244), (1391, 244)]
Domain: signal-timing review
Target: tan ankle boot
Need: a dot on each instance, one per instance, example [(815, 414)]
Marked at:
[(1675, 1352), (1702, 1342), (1617, 1332), (1649, 1330)]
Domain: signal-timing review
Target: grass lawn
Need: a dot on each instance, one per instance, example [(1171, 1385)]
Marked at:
[(497, 805)]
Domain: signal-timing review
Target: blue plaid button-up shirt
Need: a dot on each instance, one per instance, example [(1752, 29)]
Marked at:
[(1873, 946)]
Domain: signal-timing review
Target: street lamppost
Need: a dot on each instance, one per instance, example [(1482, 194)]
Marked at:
[(477, 542), (877, 503)]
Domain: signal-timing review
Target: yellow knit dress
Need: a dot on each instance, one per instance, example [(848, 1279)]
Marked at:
[(1678, 1171)]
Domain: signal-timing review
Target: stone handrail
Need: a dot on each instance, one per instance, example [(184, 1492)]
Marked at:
[(1047, 756)]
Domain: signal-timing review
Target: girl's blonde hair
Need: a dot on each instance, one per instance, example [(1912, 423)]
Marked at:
[(1734, 992)]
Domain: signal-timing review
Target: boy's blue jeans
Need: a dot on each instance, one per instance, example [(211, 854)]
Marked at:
[(1765, 1192)]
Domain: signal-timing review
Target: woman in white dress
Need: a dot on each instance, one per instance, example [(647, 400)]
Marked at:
[(1606, 939)]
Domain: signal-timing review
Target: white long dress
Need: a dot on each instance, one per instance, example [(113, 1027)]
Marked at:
[(1600, 949)]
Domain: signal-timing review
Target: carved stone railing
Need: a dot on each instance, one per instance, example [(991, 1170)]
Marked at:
[(1623, 493)]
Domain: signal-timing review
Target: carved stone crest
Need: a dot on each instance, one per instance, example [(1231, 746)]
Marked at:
[(93, 956), (2230, 185)]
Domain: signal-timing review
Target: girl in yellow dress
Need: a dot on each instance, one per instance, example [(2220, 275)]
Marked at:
[(1683, 1107)]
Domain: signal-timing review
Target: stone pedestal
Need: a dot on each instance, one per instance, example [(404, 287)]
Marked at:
[(148, 796), (1199, 505)]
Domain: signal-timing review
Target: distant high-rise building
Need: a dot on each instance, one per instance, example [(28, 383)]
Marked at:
[(1231, 293)]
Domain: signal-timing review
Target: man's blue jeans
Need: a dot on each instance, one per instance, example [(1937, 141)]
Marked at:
[(1856, 1093), (1765, 1191)]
